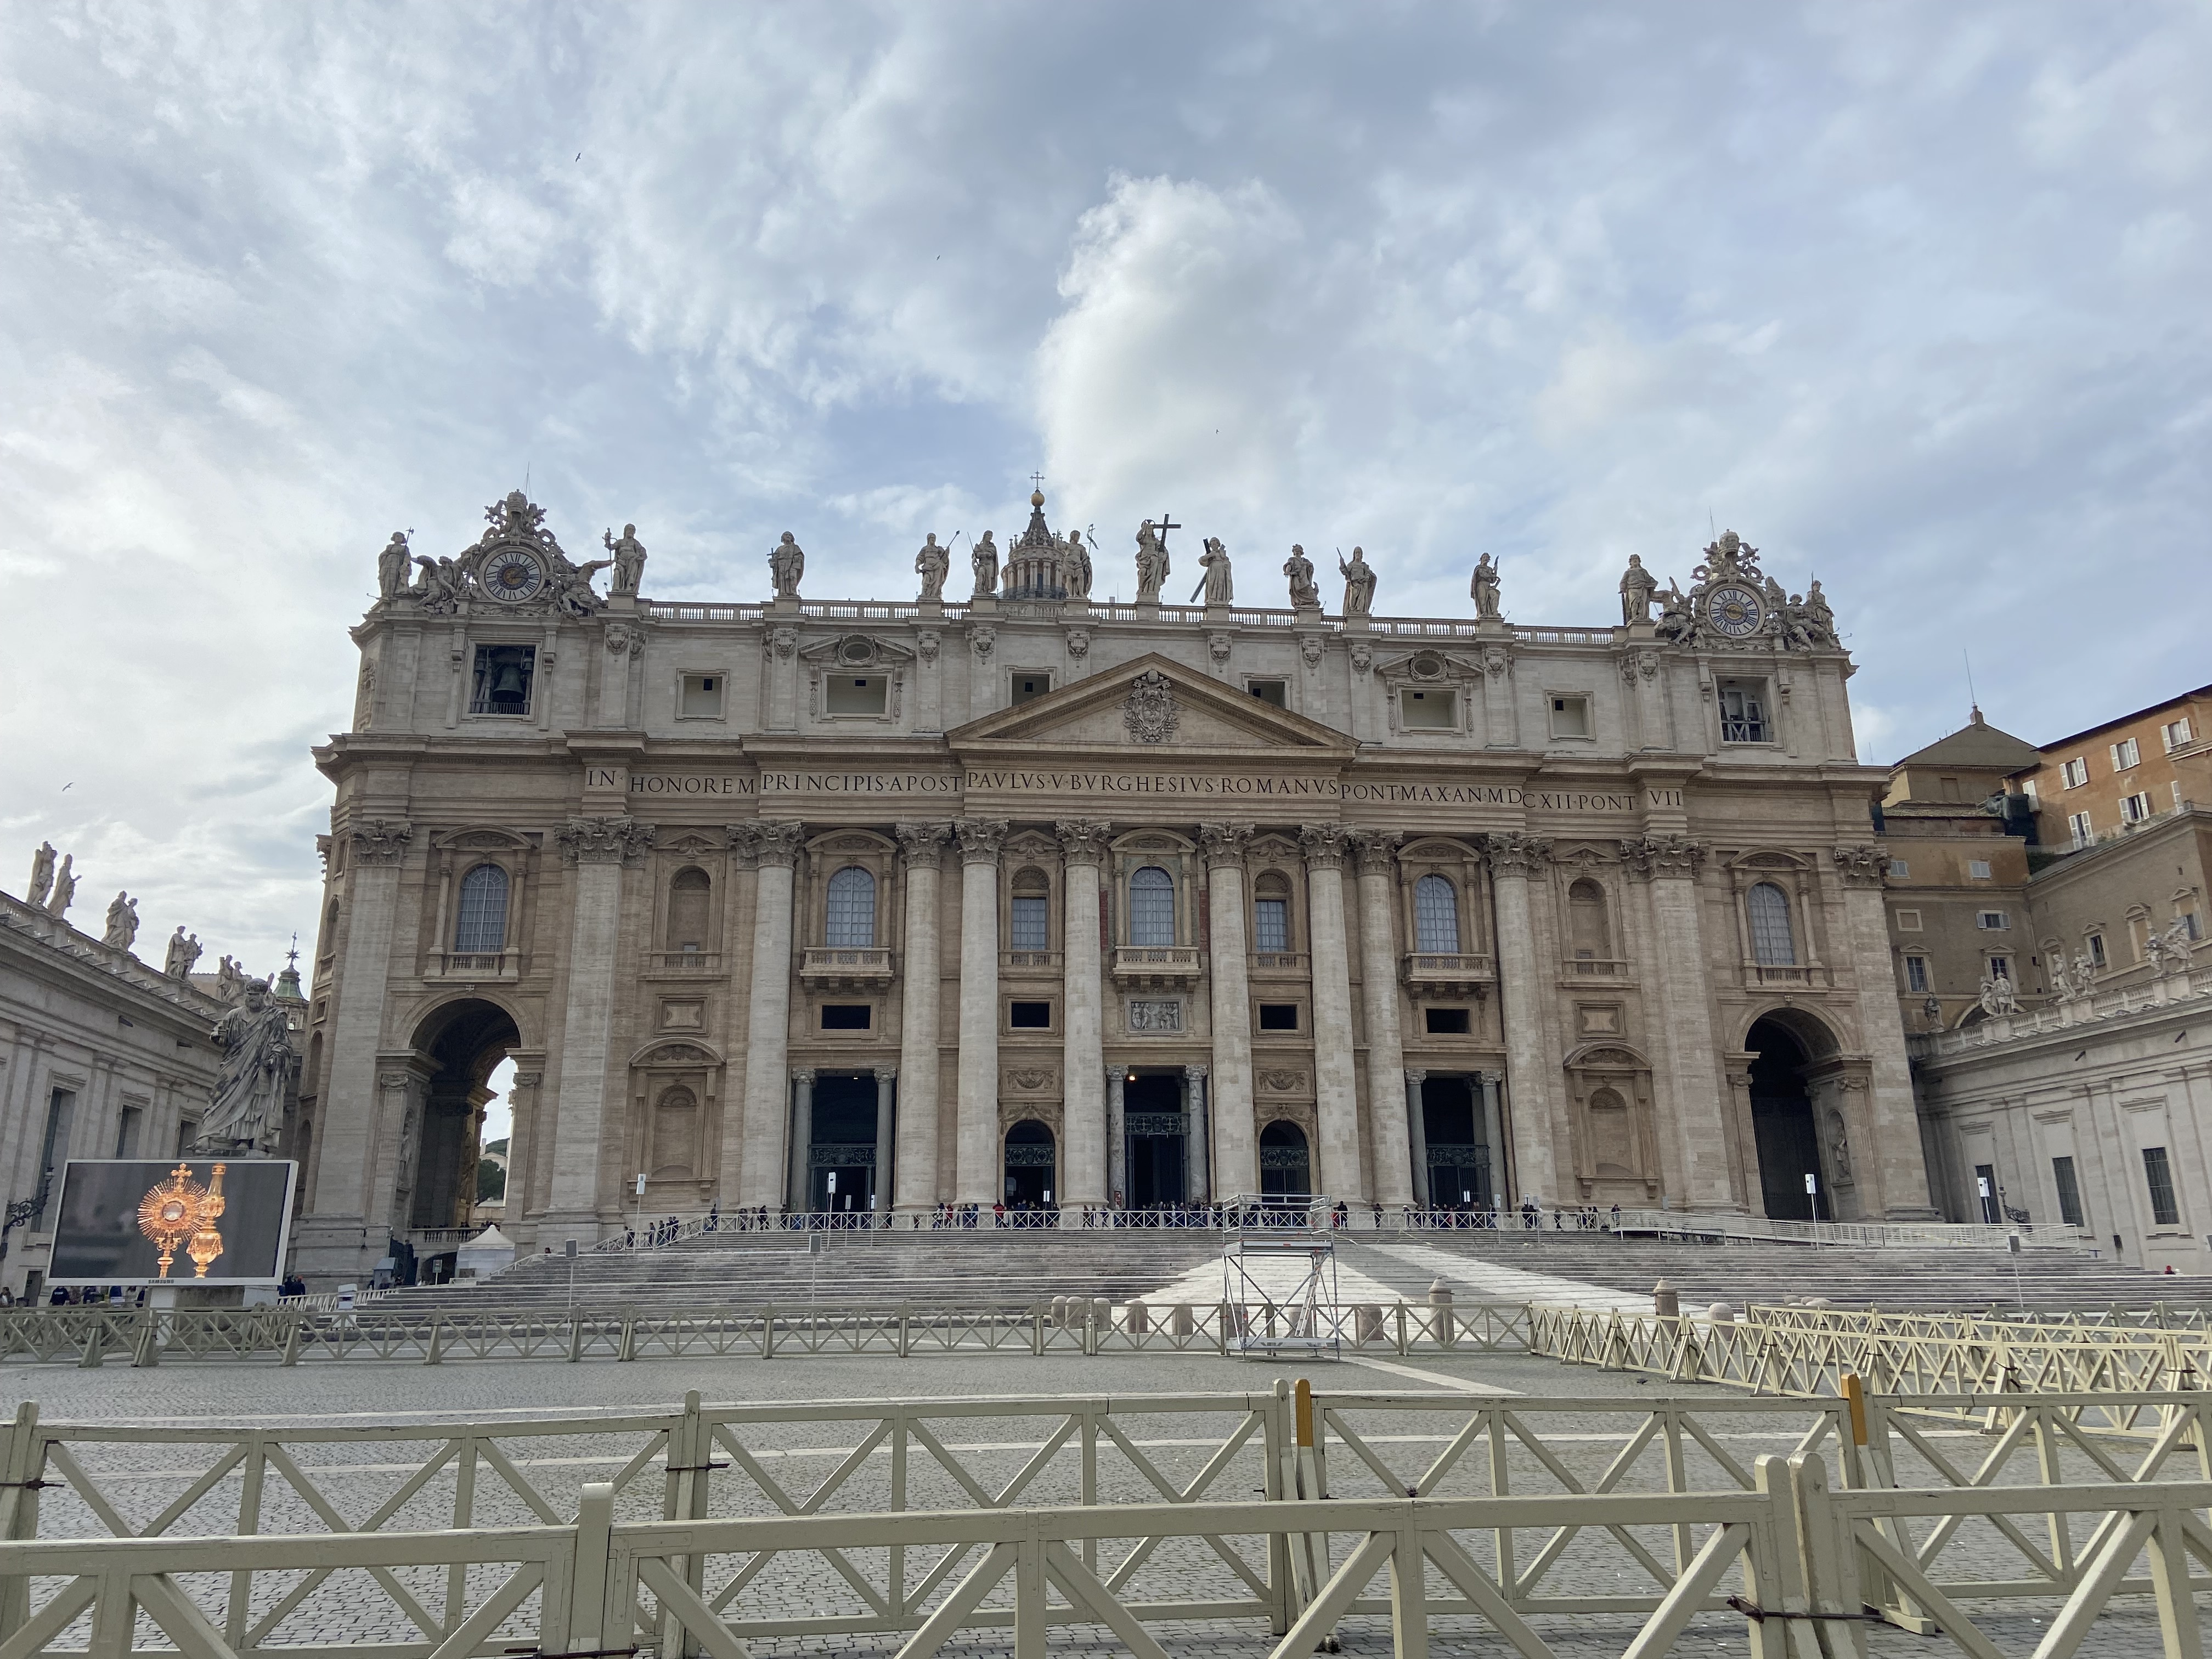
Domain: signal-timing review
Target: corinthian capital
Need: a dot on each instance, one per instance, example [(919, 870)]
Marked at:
[(778, 843), (1513, 853), (1225, 843), (922, 845), (1863, 866), (1083, 841), (604, 840), (980, 839), (1662, 855), (1325, 845), (381, 841), (1376, 849)]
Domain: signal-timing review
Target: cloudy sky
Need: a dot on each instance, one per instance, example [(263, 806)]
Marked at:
[(1912, 296)]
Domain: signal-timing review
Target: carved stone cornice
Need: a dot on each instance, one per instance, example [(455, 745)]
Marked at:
[(920, 844), (1662, 855), (1325, 845), (1225, 843), (1513, 853), (604, 840), (381, 841), (980, 839), (1376, 849), (1861, 867), (1083, 841)]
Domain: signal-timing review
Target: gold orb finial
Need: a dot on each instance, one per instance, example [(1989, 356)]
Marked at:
[(1037, 498)]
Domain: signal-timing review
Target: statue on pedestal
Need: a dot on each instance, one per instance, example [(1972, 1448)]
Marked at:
[(1997, 998), (393, 565), (932, 562), (246, 1105), (1637, 585), (182, 953), (1218, 585), (42, 874), (122, 922), (786, 563), (629, 559), (65, 887), (1305, 592), (1152, 563), (1484, 589), (1359, 583), (1077, 567), (984, 561)]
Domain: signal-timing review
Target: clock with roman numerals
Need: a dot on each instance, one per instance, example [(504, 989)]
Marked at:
[(1735, 612), (513, 576)]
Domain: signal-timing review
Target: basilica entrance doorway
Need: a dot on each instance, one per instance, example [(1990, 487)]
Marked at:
[(462, 1042), (1459, 1163), (1159, 1134), (1286, 1168), (1031, 1162), (1782, 1123), (841, 1161)]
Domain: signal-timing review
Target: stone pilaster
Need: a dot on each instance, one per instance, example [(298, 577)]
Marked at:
[(1493, 1132), (1197, 1178), (1520, 968), (885, 1183), (1085, 1154), (781, 658), (1893, 1128), (977, 1172), (799, 1194), (597, 849), (775, 850), (1669, 863), (1117, 1138), (1386, 1053), (1336, 1084), (922, 848), (1235, 1160), (1417, 1129)]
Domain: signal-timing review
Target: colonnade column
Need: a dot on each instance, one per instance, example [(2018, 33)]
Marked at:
[(597, 848), (801, 1195), (1894, 1126), (1386, 1053), (1336, 1084), (1235, 1151), (1117, 1139), (1512, 855), (1086, 1157), (976, 1143), (1670, 864), (915, 1182), (880, 1190), (1197, 1179), (1493, 1134), (775, 850), (1417, 1134)]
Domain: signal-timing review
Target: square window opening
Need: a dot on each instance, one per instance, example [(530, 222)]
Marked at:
[(1570, 717), (1444, 1022), (702, 698), (1900, 870), (2097, 950), (2134, 809), (1278, 1015), (1429, 711), (1029, 1016), (503, 675), (2158, 1175), (1028, 686), (1994, 921), (1274, 693), (847, 1016), (1978, 869), (2074, 774), (2077, 826), (1908, 921), (1743, 711), (857, 694)]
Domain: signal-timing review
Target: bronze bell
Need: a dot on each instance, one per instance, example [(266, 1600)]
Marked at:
[(507, 681)]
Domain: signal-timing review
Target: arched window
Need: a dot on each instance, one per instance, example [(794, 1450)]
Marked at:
[(1591, 936), (1271, 913), (1032, 911), (483, 924), (687, 909), (1151, 907), (1435, 915), (1772, 945), (852, 908)]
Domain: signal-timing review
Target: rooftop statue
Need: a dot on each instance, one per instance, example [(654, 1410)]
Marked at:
[(1638, 585), (1078, 566), (786, 563), (183, 952), (442, 586), (393, 565), (1359, 584), (984, 559), (1305, 592), (629, 559), (932, 562), (122, 923), (246, 1105), (1219, 585), (1151, 563), (42, 873), (65, 886), (1484, 588)]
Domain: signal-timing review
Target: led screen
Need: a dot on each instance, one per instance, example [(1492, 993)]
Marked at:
[(218, 1222)]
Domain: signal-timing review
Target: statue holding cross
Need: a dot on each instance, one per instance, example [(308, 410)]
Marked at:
[(1152, 557)]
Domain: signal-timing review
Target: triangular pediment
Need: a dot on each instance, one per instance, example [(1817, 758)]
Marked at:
[(1150, 706)]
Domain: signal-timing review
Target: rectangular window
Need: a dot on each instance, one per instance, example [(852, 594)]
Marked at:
[(2073, 773), (2124, 754), (1908, 921), (1570, 717), (1032, 925), (126, 1132), (1271, 692), (856, 694), (846, 1016), (2000, 967), (1743, 711), (1978, 869), (2069, 1191), (2164, 1211), (2175, 734), (1985, 1191), (1029, 1016), (1271, 924), (2134, 809), (1028, 684), (1900, 870), (702, 698), (1994, 921), (1916, 973), (2077, 826), (2191, 926), (61, 1110), (2096, 943), (2175, 786), (188, 1131), (1428, 711), (501, 685), (1278, 1015), (2028, 788), (1444, 1022)]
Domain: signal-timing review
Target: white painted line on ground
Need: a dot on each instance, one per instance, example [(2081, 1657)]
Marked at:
[(1465, 1385)]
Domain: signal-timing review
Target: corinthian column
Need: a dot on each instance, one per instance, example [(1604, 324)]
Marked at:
[(976, 1172), (914, 1177), (1084, 1160), (1669, 863), (597, 848), (1236, 1163), (775, 849), (1512, 855), (1336, 1084), (1386, 1050), (1892, 1128)]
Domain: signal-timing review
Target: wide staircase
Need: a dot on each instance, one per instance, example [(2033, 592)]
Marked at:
[(983, 1271)]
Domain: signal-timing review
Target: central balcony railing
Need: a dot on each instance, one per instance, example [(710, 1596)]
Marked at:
[(1438, 971), (474, 965), (1030, 961), (683, 961), (845, 967), (1156, 965), (1275, 964)]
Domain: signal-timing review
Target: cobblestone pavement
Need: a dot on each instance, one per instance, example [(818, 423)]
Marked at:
[(356, 1480)]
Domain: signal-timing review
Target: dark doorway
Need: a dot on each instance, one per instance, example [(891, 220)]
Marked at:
[(1782, 1124), (464, 1041), (1029, 1164), (1151, 1108), (842, 1159), (1459, 1161), (1286, 1168)]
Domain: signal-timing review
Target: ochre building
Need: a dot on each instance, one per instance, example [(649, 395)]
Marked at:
[(1033, 899)]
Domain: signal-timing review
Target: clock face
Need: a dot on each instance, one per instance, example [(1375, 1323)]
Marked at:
[(513, 576), (1733, 611)]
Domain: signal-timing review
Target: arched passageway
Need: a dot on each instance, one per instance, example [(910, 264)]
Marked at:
[(1782, 1123), (1286, 1166), (463, 1042), (1031, 1161)]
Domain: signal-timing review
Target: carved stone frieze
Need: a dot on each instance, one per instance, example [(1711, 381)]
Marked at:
[(1083, 841), (381, 841), (980, 839), (604, 840), (1861, 867), (922, 844), (1513, 853), (1283, 1081), (1032, 1079), (1325, 845), (1149, 1014), (1376, 849), (1150, 713), (1662, 855)]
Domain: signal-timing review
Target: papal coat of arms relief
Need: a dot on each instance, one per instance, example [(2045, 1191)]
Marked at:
[(1151, 714)]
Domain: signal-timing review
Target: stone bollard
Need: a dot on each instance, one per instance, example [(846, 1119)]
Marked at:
[(1367, 1322), (1666, 1301), (1059, 1313), (1138, 1317), (1440, 1316), (1721, 1314), (1179, 1323), (1101, 1315), (1818, 1302)]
